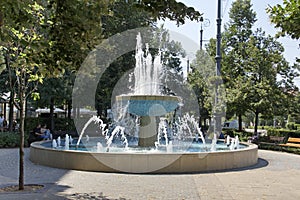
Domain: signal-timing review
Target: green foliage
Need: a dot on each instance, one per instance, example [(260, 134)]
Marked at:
[(283, 132), (64, 124), (252, 62), (11, 139), (170, 9), (293, 126), (243, 135), (286, 18), (200, 79)]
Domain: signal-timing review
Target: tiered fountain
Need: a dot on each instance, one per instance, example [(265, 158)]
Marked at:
[(147, 100), (180, 151)]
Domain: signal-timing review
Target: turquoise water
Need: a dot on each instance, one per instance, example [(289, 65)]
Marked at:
[(177, 147)]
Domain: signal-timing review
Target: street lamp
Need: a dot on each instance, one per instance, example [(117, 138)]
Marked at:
[(203, 23), (217, 113), (218, 49)]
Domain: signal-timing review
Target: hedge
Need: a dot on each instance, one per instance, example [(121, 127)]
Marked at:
[(283, 132), (65, 124), (243, 135), (11, 139)]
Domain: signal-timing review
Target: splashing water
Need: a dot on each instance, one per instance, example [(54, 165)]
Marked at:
[(67, 142), (228, 140), (147, 73), (189, 123), (99, 147), (92, 119), (214, 143), (54, 143), (70, 139), (58, 141), (117, 130), (236, 142)]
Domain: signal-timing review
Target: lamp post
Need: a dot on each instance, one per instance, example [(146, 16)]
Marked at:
[(203, 23), (217, 113), (218, 49)]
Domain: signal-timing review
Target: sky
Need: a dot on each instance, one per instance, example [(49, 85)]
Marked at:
[(209, 10)]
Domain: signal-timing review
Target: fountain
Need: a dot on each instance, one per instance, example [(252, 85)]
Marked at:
[(161, 141)]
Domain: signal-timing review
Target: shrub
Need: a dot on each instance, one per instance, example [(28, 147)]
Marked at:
[(283, 132), (11, 139), (60, 123), (243, 135)]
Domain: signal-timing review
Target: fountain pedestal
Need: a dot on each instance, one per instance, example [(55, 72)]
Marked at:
[(148, 107), (147, 132)]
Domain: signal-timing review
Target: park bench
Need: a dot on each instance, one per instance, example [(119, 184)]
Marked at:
[(292, 142), (272, 140), (276, 139)]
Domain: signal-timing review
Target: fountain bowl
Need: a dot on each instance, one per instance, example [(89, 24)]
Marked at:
[(128, 162), (149, 105)]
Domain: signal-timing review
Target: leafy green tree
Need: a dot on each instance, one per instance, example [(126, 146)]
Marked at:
[(200, 77), (286, 18), (265, 64), (127, 16), (171, 9), (172, 50), (75, 30), (235, 39), (22, 35), (251, 64)]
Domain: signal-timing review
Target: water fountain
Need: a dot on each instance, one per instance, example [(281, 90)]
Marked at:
[(158, 148)]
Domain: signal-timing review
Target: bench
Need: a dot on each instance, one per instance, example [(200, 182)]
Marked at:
[(271, 140), (276, 139), (292, 142)]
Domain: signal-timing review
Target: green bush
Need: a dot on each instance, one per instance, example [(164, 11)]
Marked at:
[(283, 132), (273, 147), (297, 127), (65, 124), (12, 139), (261, 127), (243, 135)]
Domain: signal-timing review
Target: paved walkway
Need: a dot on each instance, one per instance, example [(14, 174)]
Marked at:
[(276, 176)]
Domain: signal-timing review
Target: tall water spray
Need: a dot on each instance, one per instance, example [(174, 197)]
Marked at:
[(147, 73)]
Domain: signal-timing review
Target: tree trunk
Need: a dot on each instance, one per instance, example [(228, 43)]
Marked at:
[(69, 109), (11, 111), (200, 122), (256, 122), (22, 97), (12, 91), (240, 122), (74, 112), (52, 114)]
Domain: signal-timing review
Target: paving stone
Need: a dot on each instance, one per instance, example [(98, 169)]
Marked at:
[(276, 176)]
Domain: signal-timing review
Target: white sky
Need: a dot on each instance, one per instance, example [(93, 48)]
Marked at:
[(209, 8)]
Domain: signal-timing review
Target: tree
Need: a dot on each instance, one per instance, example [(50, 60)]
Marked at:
[(235, 38), (200, 77), (265, 63), (127, 16), (286, 18), (252, 61), (171, 9), (75, 30), (22, 36)]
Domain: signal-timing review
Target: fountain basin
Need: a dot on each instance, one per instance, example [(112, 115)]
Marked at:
[(149, 105), (159, 162)]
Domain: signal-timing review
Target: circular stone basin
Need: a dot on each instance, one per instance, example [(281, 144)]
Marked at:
[(149, 105), (144, 162)]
